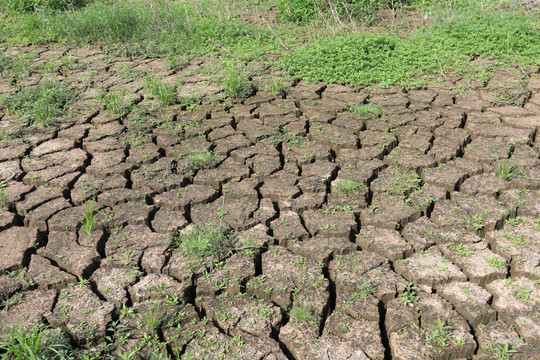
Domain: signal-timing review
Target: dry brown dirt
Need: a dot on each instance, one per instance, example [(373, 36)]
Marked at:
[(386, 236)]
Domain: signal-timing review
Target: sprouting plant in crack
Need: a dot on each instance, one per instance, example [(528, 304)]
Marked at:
[(409, 296), (89, 213)]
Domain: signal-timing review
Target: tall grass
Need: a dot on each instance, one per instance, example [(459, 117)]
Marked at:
[(162, 28)]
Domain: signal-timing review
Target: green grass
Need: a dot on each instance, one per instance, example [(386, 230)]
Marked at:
[(209, 240), (22, 6), (237, 85), (305, 11), (24, 344), (16, 66), (199, 159), (113, 102), (350, 186), (39, 104), (369, 110), (166, 28), (505, 170), (365, 59), (166, 94), (89, 213)]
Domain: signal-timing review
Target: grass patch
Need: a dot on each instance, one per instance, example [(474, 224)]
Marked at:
[(34, 343), (199, 159), (237, 85), (209, 240), (350, 186), (369, 110), (89, 213), (166, 94), (365, 59), (38, 104), (25, 6)]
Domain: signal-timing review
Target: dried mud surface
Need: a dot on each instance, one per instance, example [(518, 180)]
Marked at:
[(426, 254)]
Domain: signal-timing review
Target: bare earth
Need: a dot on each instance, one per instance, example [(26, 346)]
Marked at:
[(431, 255)]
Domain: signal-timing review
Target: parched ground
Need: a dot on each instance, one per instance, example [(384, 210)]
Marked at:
[(407, 229)]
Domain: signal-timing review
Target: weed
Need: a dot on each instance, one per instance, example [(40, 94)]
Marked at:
[(365, 289), (152, 316), (89, 213), (522, 293), (166, 94), (113, 102), (16, 66), (350, 186), (198, 159), (440, 335), (370, 110), (276, 86), (282, 136), (4, 200), (237, 85), (409, 294), (40, 103), (209, 240), (501, 352), (365, 59), (505, 170), (496, 262), (23, 344), (301, 314), (460, 249)]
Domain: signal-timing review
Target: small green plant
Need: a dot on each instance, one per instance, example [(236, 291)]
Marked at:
[(237, 85), (505, 170), (153, 316), (199, 159), (365, 289), (276, 86), (370, 110), (282, 136), (501, 352), (350, 186), (89, 213), (209, 240), (4, 201), (408, 296), (441, 334), (24, 344), (166, 94), (301, 314), (496, 262), (523, 293), (113, 102)]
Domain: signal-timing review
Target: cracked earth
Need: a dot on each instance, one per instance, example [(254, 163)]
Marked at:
[(383, 235)]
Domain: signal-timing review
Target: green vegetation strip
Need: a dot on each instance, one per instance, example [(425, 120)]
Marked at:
[(160, 28), (365, 59)]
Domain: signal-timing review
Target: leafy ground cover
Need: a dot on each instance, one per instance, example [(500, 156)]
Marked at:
[(270, 180)]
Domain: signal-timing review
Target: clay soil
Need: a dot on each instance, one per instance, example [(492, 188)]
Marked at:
[(387, 236)]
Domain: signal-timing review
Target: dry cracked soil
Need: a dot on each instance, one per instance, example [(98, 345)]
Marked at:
[(408, 231)]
